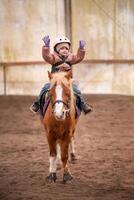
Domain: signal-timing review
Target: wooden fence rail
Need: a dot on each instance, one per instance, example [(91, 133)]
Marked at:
[(88, 61)]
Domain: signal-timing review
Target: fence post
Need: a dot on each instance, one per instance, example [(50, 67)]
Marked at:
[(4, 77)]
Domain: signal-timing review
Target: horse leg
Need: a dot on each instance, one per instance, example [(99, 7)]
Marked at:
[(52, 161), (64, 158), (58, 157), (72, 151)]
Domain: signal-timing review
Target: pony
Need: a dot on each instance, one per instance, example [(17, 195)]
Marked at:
[(60, 123)]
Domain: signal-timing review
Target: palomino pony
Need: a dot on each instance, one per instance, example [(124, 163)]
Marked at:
[(60, 122)]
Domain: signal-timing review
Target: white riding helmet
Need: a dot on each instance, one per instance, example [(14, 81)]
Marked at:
[(61, 39)]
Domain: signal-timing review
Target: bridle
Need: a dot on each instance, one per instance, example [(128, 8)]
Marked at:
[(66, 103), (67, 106), (60, 101)]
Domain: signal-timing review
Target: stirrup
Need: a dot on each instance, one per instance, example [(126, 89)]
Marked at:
[(33, 111)]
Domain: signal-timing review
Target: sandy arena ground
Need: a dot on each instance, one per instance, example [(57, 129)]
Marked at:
[(104, 145)]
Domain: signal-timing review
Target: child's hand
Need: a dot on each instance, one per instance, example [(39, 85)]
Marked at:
[(82, 44), (46, 40)]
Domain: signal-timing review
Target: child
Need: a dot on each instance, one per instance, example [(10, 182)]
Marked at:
[(62, 58)]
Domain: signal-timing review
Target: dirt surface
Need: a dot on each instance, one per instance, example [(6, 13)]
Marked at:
[(104, 145)]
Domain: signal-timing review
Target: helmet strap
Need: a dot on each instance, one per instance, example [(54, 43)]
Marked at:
[(56, 50)]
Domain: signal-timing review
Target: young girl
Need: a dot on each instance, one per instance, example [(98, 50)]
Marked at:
[(62, 58)]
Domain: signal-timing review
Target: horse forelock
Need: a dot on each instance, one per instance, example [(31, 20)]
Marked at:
[(59, 78)]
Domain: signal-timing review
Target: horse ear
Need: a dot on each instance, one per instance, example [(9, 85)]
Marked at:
[(69, 74), (49, 75)]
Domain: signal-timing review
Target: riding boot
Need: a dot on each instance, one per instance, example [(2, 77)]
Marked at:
[(36, 104), (86, 108)]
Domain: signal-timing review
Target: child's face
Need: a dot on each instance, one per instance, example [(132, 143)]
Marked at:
[(64, 51)]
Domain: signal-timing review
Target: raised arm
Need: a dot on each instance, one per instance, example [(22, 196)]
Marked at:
[(76, 58), (48, 57)]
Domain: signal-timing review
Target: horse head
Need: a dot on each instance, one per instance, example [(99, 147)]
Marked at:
[(60, 94)]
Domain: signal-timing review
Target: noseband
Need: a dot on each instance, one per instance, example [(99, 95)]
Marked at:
[(60, 101), (67, 104)]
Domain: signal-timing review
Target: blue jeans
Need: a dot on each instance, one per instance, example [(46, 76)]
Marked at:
[(44, 90)]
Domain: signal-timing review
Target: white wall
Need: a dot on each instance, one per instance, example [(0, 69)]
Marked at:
[(105, 79), (1, 80), (23, 23)]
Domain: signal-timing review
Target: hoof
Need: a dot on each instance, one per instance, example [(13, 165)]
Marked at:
[(67, 177), (72, 158), (51, 177)]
